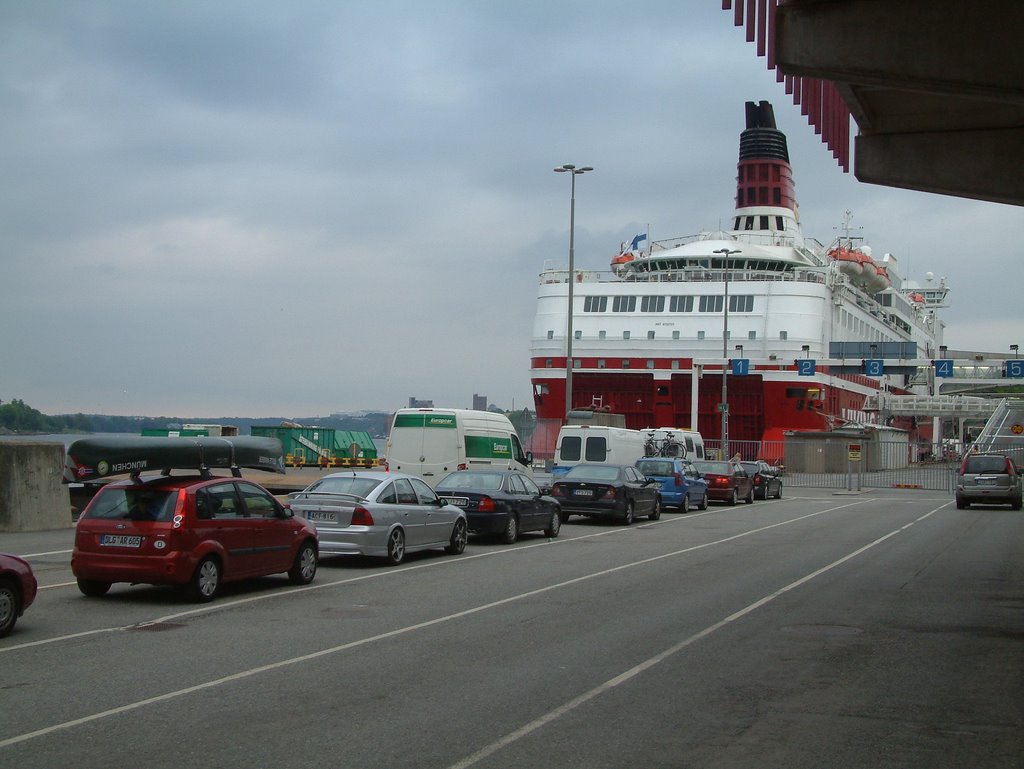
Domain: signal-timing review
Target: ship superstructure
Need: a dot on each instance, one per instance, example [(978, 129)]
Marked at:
[(653, 334)]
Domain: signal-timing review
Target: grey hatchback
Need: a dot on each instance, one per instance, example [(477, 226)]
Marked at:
[(988, 479)]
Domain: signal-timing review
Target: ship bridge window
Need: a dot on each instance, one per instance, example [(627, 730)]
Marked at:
[(751, 335), (711, 303), (748, 221), (783, 336), (595, 304), (763, 221), (650, 335), (625, 335), (675, 334), (779, 223), (736, 223), (652, 304), (602, 334), (624, 304), (680, 304), (700, 334), (577, 334), (551, 334)]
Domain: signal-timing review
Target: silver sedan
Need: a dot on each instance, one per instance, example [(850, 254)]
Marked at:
[(379, 514)]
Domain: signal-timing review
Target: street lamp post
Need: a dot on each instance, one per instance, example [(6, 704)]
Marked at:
[(723, 451), (1013, 349), (573, 172)]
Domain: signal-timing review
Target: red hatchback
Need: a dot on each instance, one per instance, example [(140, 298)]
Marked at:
[(186, 530)]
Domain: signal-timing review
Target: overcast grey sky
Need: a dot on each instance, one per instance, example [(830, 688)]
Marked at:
[(289, 209)]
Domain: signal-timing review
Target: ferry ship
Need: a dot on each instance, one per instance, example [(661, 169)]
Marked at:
[(793, 323)]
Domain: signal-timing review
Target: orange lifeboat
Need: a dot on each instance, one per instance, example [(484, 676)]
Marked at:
[(851, 261), (619, 262)]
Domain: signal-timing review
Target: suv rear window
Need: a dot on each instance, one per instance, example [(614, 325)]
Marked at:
[(114, 503), (656, 467), (983, 464)]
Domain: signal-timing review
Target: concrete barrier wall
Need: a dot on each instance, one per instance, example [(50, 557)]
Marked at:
[(32, 496)]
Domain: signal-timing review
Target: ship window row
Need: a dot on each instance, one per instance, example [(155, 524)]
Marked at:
[(602, 335), (705, 303), (763, 222)]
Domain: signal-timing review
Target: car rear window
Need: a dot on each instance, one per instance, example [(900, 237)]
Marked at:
[(589, 472), (464, 480), (656, 468), (985, 465), (113, 503), (349, 484), (719, 468)]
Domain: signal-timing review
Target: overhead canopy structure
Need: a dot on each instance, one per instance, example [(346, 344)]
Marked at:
[(935, 86)]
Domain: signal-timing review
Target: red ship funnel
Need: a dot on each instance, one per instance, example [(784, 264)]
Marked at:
[(764, 176)]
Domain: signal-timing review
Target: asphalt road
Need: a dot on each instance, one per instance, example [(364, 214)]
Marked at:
[(877, 630)]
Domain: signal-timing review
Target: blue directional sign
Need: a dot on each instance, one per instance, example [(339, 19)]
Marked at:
[(740, 366), (943, 368), (874, 367), (805, 367), (1015, 368)]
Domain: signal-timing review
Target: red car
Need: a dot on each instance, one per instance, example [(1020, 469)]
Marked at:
[(186, 530), (727, 480), (17, 590)]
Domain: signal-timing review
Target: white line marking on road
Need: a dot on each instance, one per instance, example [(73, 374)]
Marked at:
[(430, 623), (636, 670), (40, 555)]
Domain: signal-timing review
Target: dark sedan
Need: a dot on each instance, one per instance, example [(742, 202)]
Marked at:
[(17, 590), (767, 482), (501, 502), (727, 480), (608, 491)]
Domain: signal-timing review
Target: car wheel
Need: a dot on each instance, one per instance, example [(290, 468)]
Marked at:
[(778, 494), (627, 518), (92, 588), (961, 503), (704, 501), (555, 526), (1016, 504), (749, 499), (511, 532), (732, 497), (460, 535), (656, 512), (685, 507), (304, 568), (206, 580), (564, 516), (8, 607), (396, 547)]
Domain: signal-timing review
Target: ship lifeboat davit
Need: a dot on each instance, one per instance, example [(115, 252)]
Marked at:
[(879, 280)]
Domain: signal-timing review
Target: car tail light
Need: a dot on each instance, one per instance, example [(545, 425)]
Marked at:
[(485, 505), (1010, 469), (721, 480), (462, 466), (557, 491), (610, 494), (758, 480), (678, 479), (361, 517)]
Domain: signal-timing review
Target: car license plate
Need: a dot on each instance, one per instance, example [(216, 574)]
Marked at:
[(457, 501), (583, 493), (986, 481), (120, 540), (321, 515)]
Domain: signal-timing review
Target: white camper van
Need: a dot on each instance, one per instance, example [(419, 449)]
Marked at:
[(586, 444), (431, 443), (674, 442)]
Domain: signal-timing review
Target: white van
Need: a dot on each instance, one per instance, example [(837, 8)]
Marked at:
[(586, 444), (431, 443), (674, 442)]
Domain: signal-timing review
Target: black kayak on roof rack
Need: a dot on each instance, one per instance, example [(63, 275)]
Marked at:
[(91, 458)]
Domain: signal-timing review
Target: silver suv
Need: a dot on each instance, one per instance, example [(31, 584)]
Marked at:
[(989, 479)]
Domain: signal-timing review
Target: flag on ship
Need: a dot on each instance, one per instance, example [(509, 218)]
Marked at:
[(635, 245)]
